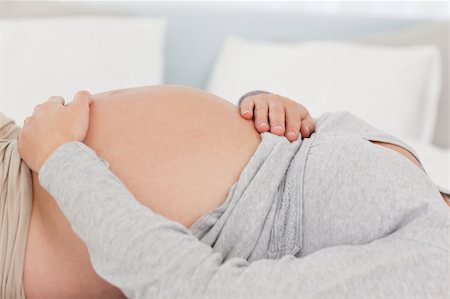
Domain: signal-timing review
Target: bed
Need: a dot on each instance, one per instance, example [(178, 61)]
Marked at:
[(185, 42)]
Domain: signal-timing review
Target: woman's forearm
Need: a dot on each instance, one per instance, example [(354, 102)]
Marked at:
[(148, 256)]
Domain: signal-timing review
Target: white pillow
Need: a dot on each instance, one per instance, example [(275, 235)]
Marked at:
[(395, 89), (41, 57)]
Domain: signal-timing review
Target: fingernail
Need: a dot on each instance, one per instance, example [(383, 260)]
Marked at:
[(245, 112), (307, 130), (293, 134), (263, 125), (278, 127)]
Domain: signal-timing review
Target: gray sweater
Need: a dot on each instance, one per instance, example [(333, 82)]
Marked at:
[(370, 224)]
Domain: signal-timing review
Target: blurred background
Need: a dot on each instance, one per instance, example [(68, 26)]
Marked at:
[(385, 61)]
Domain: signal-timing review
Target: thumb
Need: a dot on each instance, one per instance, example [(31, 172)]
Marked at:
[(82, 99)]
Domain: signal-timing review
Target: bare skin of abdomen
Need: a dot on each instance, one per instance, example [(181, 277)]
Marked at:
[(177, 149)]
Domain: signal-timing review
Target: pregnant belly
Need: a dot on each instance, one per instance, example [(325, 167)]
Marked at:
[(177, 149)]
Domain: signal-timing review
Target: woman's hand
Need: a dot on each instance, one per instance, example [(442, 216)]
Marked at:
[(285, 116), (51, 125)]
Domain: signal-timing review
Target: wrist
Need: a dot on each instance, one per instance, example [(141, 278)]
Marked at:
[(48, 151)]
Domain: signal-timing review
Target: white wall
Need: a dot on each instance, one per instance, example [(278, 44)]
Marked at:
[(433, 10), (436, 10), (425, 9)]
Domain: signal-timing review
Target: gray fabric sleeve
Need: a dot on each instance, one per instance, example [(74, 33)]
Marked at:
[(251, 93), (148, 256)]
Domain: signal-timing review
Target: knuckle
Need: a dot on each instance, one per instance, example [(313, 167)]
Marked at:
[(263, 97), (300, 105), (55, 99), (82, 93), (302, 109), (274, 98), (279, 98), (247, 99), (291, 101), (284, 99), (259, 103), (293, 105)]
